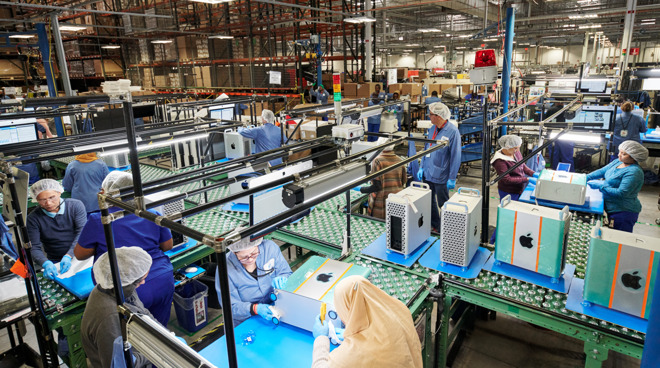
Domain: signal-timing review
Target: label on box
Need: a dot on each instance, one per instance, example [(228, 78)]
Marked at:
[(200, 311)]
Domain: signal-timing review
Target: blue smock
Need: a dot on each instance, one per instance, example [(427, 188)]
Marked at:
[(245, 290), (623, 186), (266, 137), (238, 109), (321, 97), (32, 170), (398, 109), (425, 90), (444, 163), (83, 180), (373, 123), (633, 123), (382, 95), (132, 231)]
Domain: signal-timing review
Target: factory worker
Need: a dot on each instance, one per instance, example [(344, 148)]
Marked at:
[(373, 122), (321, 95), (381, 94), (425, 89), (430, 100), (623, 181), (627, 126), (380, 331), (390, 182), (54, 227), (514, 182), (100, 322), (398, 108), (134, 231), (83, 178), (266, 137), (440, 168), (254, 269)]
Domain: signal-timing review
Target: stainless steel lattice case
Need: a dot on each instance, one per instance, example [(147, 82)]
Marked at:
[(408, 218), (116, 160), (460, 228), (236, 145)]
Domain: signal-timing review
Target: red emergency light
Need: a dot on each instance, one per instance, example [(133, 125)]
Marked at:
[(485, 58)]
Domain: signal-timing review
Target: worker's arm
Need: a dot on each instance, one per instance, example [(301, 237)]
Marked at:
[(67, 182), (454, 155), (251, 133), (629, 185), (375, 186), (83, 253), (600, 173), (239, 309), (44, 124), (500, 167), (642, 125), (79, 221), (321, 352), (34, 233), (166, 245)]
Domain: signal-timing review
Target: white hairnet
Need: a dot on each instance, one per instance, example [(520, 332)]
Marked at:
[(509, 141), (45, 184), (383, 140), (133, 263), (638, 152), (268, 116), (440, 109), (244, 243), (116, 180)]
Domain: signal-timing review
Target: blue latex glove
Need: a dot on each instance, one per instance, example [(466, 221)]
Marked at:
[(50, 271), (537, 174), (279, 282), (65, 263), (596, 184), (451, 184), (264, 311), (320, 329), (420, 174), (532, 180)]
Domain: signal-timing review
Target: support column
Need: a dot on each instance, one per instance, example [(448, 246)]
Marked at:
[(368, 43), (61, 57), (593, 50), (585, 48), (629, 23), (48, 69), (506, 67)]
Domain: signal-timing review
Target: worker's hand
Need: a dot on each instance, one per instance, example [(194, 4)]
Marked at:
[(50, 271), (532, 180), (451, 183), (537, 174), (65, 263), (320, 329), (279, 282), (264, 311), (596, 184), (420, 174)]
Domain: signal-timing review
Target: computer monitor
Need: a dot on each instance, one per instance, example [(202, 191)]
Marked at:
[(592, 86), (223, 112), (604, 115), (18, 133)]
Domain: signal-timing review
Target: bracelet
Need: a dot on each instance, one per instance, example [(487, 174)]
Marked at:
[(253, 310)]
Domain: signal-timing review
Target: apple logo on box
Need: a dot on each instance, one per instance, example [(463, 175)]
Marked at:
[(526, 240), (631, 280)]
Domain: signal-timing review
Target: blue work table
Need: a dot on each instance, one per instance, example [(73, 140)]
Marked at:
[(595, 204), (273, 346)]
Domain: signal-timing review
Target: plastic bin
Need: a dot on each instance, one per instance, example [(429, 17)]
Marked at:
[(191, 305)]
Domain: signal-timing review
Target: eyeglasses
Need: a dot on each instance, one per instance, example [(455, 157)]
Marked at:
[(49, 199), (247, 259)]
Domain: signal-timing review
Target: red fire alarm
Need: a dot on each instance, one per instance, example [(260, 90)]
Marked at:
[(485, 58)]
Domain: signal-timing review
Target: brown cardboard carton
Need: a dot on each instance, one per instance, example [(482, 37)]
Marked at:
[(299, 155), (402, 73), (423, 74), (366, 89), (415, 89), (435, 87), (350, 89), (396, 87)]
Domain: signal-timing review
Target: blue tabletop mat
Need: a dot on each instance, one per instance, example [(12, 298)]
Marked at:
[(79, 284), (180, 248), (646, 138), (506, 269), (378, 249), (237, 207), (273, 346), (594, 204), (574, 303), (123, 168), (431, 259)]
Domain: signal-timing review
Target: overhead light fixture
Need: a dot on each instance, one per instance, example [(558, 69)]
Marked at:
[(361, 19), (161, 41), (412, 45), (464, 36), (69, 28), (22, 36), (588, 26), (577, 137), (428, 30), (221, 37), (111, 47), (211, 2), (583, 16), (538, 72)]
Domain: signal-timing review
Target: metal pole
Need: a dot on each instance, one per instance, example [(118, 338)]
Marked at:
[(44, 49), (368, 43), (506, 70), (485, 174), (223, 279), (629, 24), (133, 154), (61, 56), (585, 48)]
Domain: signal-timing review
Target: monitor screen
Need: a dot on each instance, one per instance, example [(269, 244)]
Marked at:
[(223, 112), (604, 115), (593, 86), (18, 133)]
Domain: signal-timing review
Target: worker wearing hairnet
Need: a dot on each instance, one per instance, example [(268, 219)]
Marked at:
[(623, 181), (54, 227), (509, 154), (83, 178), (379, 332), (100, 322), (266, 137), (386, 184), (440, 168), (134, 231), (431, 100), (254, 269)]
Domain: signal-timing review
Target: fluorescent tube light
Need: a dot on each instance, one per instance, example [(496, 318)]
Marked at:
[(588, 26), (72, 28), (578, 137), (361, 19), (212, 2), (222, 37), (111, 47), (22, 36), (161, 41), (154, 145)]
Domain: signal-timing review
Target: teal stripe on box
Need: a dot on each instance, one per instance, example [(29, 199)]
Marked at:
[(505, 228), (550, 257), (600, 271)]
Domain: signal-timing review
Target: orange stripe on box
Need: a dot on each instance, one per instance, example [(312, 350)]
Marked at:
[(335, 283), (513, 244), (616, 272), (538, 247), (648, 283), (310, 276), (570, 178)]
